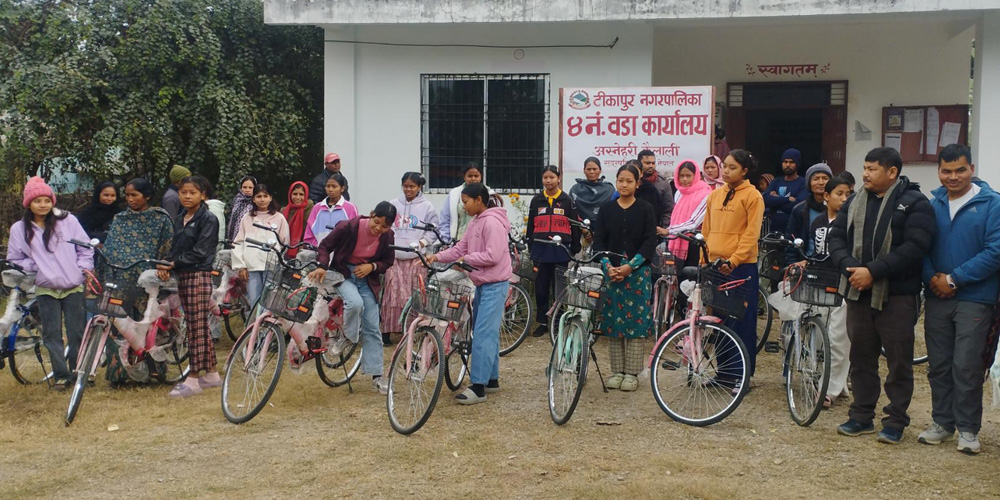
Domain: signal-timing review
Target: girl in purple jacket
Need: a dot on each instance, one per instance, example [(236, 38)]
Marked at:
[(40, 243)]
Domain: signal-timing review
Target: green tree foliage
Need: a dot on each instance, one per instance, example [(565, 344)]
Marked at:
[(131, 87)]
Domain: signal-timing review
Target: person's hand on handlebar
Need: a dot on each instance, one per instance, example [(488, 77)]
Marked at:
[(662, 232), (163, 272), (432, 258), (726, 267), (317, 276), (362, 270)]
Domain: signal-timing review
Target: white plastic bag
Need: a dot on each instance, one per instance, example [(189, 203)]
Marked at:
[(788, 309)]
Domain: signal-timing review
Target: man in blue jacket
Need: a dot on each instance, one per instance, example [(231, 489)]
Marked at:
[(783, 193), (961, 279)]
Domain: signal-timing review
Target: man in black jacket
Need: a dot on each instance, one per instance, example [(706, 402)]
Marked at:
[(879, 241), (317, 188)]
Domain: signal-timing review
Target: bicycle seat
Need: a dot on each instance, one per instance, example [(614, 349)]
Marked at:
[(12, 278), (689, 273)]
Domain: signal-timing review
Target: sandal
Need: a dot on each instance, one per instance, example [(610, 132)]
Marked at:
[(183, 390), (469, 397), (60, 385), (829, 401), (629, 383), (204, 384), (615, 381)]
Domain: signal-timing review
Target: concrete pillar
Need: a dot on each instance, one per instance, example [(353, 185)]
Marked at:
[(985, 134), (338, 101)]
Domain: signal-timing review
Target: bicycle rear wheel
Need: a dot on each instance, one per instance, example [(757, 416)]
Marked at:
[(517, 316), (29, 361), (765, 316), (176, 346), (807, 371), (699, 376), (568, 371), (414, 390), (664, 312), (85, 361), (457, 357), (252, 372), (336, 370)]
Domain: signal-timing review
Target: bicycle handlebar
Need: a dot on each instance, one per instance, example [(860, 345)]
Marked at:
[(287, 263), (13, 266), (285, 247), (595, 256), (428, 265), (797, 244), (427, 226), (97, 250)]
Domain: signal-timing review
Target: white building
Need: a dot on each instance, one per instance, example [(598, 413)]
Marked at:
[(407, 80)]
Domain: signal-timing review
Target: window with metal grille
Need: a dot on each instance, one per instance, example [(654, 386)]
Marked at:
[(500, 122)]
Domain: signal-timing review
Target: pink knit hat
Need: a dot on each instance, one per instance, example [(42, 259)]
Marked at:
[(36, 187)]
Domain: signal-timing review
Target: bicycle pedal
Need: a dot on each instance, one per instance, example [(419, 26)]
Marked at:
[(314, 344), (771, 347)]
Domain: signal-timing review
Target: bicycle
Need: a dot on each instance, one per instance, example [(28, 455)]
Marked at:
[(581, 299), (22, 346), (556, 312), (289, 303), (443, 307), (518, 307), (806, 366), (699, 367), (158, 337), (665, 307), (229, 299)]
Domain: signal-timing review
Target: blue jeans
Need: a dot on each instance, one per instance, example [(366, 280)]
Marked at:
[(255, 286), (746, 327), (487, 312), (361, 319)]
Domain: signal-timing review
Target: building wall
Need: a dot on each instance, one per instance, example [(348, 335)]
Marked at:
[(902, 63), (373, 118)]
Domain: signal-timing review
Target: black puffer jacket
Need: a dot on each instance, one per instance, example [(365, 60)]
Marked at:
[(194, 244), (912, 225)]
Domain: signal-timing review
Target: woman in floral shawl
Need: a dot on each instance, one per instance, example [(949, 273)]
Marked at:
[(140, 232)]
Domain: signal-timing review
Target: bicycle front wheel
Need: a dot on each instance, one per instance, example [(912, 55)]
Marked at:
[(29, 361), (807, 371), (765, 316), (517, 316), (415, 380), (699, 375), (336, 370), (568, 370), (87, 356), (252, 372)]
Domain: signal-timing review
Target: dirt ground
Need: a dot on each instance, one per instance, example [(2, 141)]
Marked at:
[(327, 443)]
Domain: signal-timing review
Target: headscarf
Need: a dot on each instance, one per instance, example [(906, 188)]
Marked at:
[(241, 206), (717, 181), (96, 217), (296, 215), (691, 197)]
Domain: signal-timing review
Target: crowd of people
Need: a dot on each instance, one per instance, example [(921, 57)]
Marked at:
[(890, 243)]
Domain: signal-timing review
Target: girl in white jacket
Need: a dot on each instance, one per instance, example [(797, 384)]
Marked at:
[(250, 262)]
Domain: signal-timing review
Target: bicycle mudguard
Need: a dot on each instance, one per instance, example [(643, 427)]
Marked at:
[(672, 329)]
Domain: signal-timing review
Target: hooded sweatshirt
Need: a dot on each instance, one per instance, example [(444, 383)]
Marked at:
[(408, 214), (589, 196), (253, 259), (323, 217), (732, 228), (59, 266), (484, 247)]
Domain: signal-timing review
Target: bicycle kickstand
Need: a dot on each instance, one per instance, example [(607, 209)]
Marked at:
[(593, 356)]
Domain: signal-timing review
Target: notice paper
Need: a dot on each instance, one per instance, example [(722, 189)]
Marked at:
[(949, 133), (894, 140), (932, 131), (913, 120)]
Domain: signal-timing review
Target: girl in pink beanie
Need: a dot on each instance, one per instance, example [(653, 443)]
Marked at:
[(40, 243)]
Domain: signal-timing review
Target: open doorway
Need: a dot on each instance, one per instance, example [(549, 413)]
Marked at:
[(768, 118)]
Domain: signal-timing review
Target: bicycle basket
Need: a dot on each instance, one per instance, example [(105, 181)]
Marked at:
[(664, 262), (444, 300), (523, 266), (724, 294), (223, 260), (770, 265), (284, 294), (117, 295), (816, 285), (583, 287)]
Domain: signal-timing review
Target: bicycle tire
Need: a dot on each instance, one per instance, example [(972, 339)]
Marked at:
[(674, 368), (427, 345), (332, 370), (177, 352), (88, 354), (563, 370), (665, 310), (763, 324), (29, 361), (269, 348), (803, 391), (240, 308), (517, 317), (558, 310)]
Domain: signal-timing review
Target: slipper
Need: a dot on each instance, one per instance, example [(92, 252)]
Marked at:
[(828, 402), (469, 397), (183, 391), (209, 385)]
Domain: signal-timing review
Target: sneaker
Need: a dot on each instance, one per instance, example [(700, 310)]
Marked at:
[(540, 331), (935, 434), (340, 345), (968, 443), (854, 428), (629, 383), (381, 385), (615, 381), (889, 435)]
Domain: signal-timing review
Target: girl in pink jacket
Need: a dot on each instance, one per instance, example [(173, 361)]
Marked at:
[(484, 247)]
